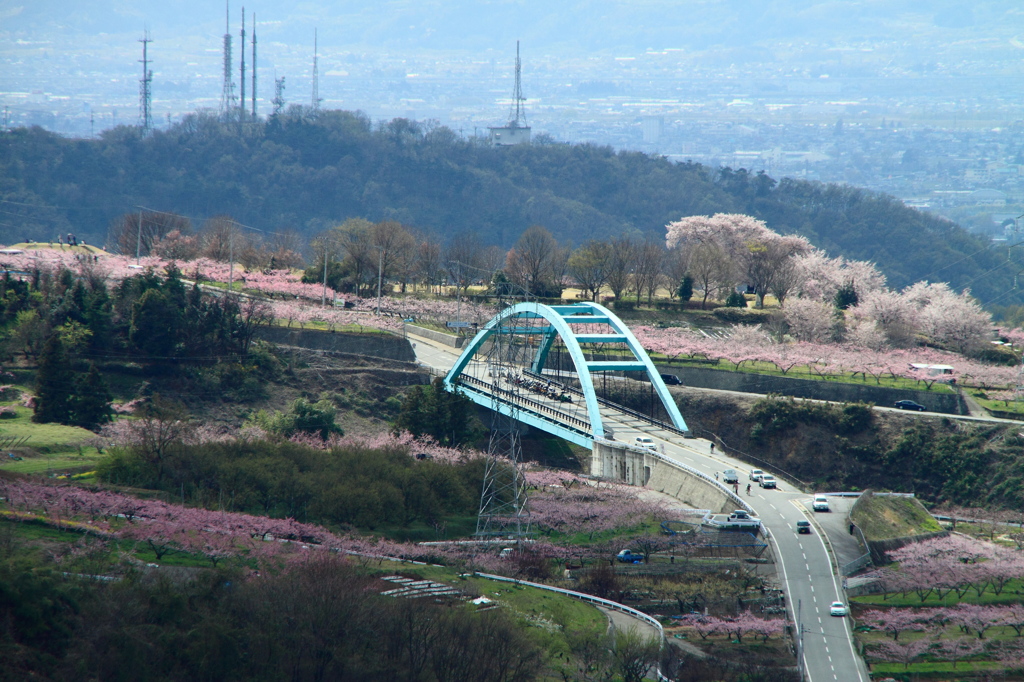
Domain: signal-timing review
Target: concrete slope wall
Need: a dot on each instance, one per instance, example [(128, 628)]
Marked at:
[(374, 345), (938, 400)]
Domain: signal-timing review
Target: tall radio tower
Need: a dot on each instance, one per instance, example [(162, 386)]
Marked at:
[(241, 101), (227, 95), (254, 66), (145, 93), (316, 77), (517, 111), (278, 100)]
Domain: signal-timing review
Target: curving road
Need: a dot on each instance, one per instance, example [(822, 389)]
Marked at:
[(804, 562)]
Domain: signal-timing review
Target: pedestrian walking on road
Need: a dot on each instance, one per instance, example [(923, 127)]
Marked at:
[(712, 448), (716, 475), (748, 488)]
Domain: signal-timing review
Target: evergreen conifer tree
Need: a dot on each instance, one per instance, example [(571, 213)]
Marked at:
[(54, 384), (685, 291), (91, 403), (846, 297)]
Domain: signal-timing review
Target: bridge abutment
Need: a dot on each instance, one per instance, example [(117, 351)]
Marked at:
[(644, 468)]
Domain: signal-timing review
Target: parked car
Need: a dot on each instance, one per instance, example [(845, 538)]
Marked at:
[(756, 474), (820, 503), (628, 557), (730, 476), (909, 405), (671, 380), (837, 608), (645, 442), (803, 526), (767, 481)]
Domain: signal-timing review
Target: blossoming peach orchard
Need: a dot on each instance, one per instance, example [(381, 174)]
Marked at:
[(931, 308), (562, 506)]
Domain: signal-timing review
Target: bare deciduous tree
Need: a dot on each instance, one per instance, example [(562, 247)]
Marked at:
[(619, 267), (588, 266), (127, 236)]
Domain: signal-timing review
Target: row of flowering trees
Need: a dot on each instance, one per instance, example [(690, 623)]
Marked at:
[(751, 344), (726, 249)]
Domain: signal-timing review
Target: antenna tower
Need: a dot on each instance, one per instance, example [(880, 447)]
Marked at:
[(316, 77), (145, 92), (503, 499), (517, 111), (241, 80), (254, 66), (227, 96), (278, 100)]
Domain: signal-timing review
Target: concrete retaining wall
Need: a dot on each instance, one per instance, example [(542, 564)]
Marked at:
[(939, 400), (374, 345), (447, 339), (644, 468)]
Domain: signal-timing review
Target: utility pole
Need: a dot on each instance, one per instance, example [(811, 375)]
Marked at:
[(231, 255), (380, 274), (323, 296), (138, 239)]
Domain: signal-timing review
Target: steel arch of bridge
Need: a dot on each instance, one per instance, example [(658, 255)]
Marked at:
[(560, 319)]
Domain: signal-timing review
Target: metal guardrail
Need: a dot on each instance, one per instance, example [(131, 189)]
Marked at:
[(726, 448), (597, 601)]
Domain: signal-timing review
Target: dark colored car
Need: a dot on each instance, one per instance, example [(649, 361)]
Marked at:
[(671, 380), (803, 526), (909, 405)]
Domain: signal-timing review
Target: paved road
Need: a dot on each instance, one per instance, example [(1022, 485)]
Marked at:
[(804, 561)]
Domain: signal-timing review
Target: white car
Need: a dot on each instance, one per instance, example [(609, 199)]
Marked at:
[(820, 503), (756, 474), (644, 442), (838, 608), (767, 481)]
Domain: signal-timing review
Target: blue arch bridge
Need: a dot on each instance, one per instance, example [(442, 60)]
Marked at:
[(548, 375)]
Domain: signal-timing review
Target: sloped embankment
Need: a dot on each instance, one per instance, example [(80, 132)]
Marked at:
[(850, 447)]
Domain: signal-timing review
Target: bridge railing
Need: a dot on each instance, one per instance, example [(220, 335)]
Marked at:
[(615, 406), (534, 405)]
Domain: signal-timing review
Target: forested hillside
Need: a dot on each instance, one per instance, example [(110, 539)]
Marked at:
[(304, 172)]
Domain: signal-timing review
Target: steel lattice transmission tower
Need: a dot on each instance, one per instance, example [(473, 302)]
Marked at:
[(517, 110), (278, 100), (227, 95), (145, 88), (503, 500)]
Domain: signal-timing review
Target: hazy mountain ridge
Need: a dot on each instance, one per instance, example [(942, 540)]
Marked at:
[(307, 173)]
